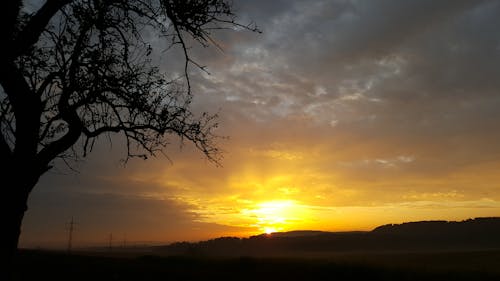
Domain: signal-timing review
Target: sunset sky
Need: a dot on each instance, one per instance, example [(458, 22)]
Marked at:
[(342, 115)]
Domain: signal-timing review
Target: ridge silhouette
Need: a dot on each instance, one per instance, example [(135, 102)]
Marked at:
[(467, 235)]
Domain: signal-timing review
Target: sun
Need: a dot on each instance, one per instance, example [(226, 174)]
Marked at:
[(276, 215), (269, 230)]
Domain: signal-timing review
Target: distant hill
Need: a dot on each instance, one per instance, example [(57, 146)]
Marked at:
[(468, 235)]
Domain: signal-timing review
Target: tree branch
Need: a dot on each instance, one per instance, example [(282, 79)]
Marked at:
[(5, 151), (9, 11), (57, 147), (46, 82), (32, 31)]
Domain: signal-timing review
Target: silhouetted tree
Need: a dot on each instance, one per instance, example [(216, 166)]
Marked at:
[(75, 70)]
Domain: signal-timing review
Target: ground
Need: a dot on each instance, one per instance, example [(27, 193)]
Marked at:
[(43, 265)]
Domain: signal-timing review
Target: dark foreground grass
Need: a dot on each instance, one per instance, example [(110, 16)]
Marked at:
[(40, 265)]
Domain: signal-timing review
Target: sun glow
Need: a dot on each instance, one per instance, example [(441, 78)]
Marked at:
[(277, 215), (269, 230)]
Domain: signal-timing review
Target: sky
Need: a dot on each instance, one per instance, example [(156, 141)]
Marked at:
[(341, 115)]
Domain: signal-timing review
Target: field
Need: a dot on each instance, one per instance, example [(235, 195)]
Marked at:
[(42, 265)]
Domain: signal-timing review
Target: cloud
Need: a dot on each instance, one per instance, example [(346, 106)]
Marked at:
[(350, 107), (139, 220)]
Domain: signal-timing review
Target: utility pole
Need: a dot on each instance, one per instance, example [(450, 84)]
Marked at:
[(110, 245), (70, 236)]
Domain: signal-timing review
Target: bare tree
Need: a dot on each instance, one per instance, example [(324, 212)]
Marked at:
[(75, 70)]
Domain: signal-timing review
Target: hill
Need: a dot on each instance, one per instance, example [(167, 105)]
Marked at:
[(469, 235)]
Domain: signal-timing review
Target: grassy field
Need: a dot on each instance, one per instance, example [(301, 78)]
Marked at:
[(41, 265)]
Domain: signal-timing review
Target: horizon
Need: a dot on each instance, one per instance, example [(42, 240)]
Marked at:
[(131, 245), (340, 116)]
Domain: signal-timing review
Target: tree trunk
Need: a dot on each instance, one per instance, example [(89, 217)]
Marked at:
[(16, 187), (12, 223)]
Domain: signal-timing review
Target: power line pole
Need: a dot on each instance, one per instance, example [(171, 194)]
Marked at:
[(110, 245), (70, 236)]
